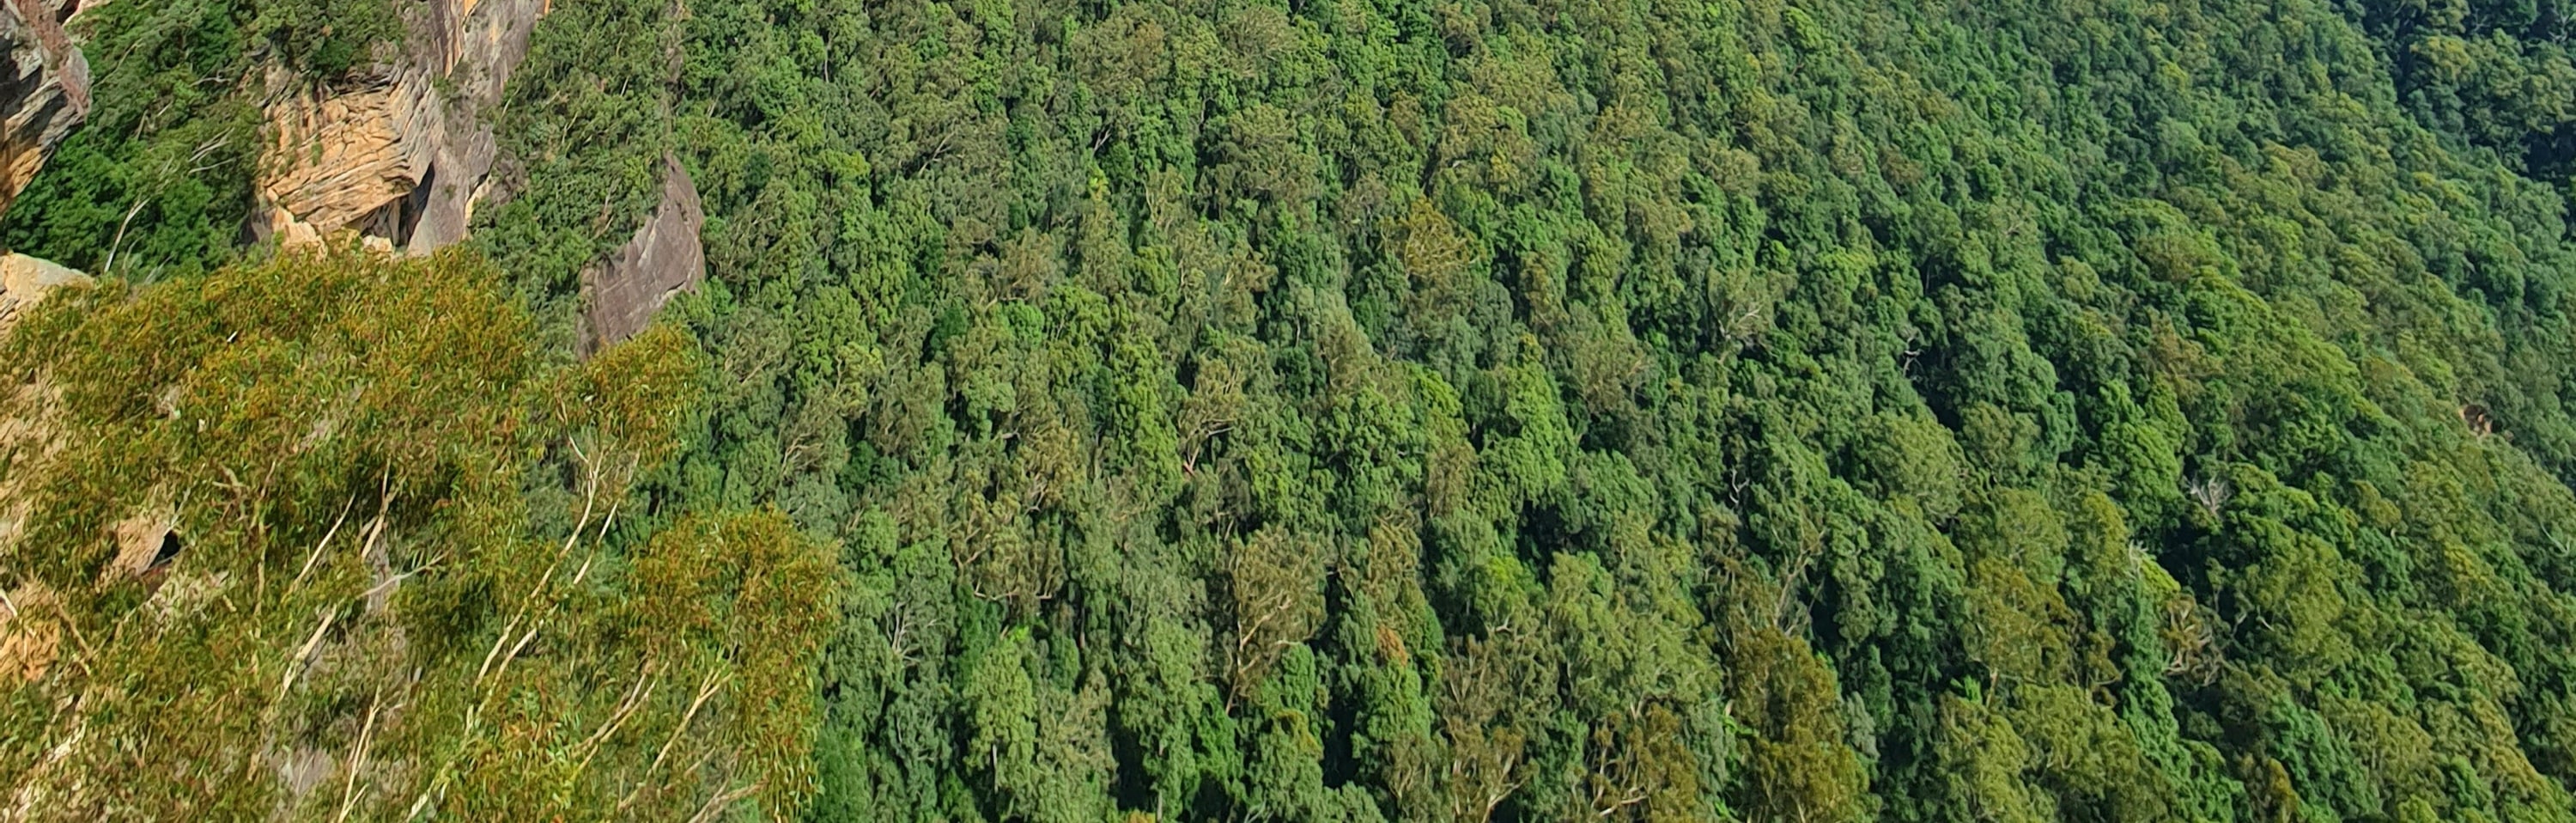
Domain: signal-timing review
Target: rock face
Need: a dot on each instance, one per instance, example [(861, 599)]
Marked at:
[(404, 156), (44, 88), (664, 259), (347, 156), (481, 44)]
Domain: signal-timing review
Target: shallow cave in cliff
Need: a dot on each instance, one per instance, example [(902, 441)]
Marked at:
[(395, 220)]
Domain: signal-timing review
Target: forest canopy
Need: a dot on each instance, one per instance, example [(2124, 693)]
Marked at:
[(1349, 410)]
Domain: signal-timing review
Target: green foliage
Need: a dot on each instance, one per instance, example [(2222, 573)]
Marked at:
[(356, 606), (2495, 75), (1923, 412), (1456, 410), (157, 182)]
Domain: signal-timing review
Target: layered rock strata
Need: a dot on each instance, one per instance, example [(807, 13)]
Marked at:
[(44, 88), (404, 155)]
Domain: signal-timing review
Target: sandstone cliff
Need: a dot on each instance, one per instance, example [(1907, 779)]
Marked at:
[(404, 155), (44, 88), (343, 158)]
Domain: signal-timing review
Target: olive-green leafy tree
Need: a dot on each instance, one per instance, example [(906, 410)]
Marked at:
[(325, 535)]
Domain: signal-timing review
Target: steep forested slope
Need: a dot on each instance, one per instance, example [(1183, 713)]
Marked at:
[(330, 535), (1519, 409)]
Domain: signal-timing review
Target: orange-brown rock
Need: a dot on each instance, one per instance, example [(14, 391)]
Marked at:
[(44, 88), (404, 156), (338, 159), (143, 539), (25, 280)]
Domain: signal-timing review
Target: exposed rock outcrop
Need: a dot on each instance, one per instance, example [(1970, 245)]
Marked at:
[(344, 157), (44, 88), (663, 259), (482, 43), (404, 156), (25, 280)]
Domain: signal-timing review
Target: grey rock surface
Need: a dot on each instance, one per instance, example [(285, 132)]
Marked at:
[(663, 259)]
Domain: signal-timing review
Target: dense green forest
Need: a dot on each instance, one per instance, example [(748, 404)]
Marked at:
[(1352, 410)]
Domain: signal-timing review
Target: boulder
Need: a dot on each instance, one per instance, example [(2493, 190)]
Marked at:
[(25, 280), (663, 259)]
